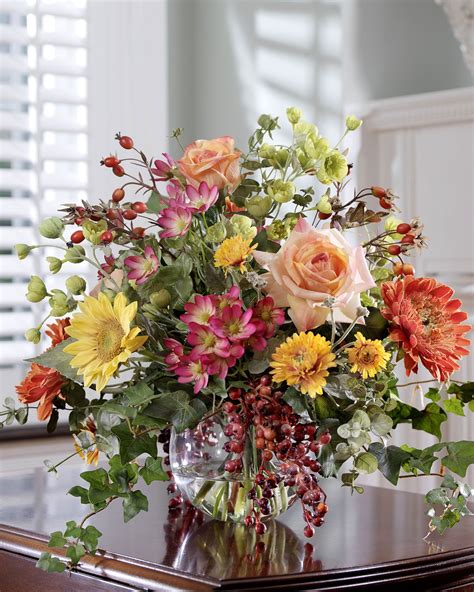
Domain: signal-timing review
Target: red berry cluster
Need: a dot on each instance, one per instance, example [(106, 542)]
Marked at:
[(281, 437)]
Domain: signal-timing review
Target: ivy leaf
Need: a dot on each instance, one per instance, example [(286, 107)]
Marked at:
[(75, 553), (366, 463), (439, 495), (59, 360), (433, 394), (131, 446), (381, 423), (72, 529), (57, 539), (429, 420), (453, 406), (296, 400), (81, 492), (97, 478), (460, 456), (50, 564), (177, 407), (153, 471), (389, 460), (134, 503), (90, 537)]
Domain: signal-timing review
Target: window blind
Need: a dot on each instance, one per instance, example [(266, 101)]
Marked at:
[(43, 150)]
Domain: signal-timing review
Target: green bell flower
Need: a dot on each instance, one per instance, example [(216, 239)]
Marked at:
[(317, 148), (242, 225), (60, 304), (334, 168), (281, 191), (93, 230), (216, 233), (161, 299), (305, 161), (36, 289), (51, 227), (277, 231), (293, 114), (76, 285), (352, 123), (324, 205), (259, 205), (267, 151), (33, 335), (23, 250), (75, 254), (281, 157), (302, 130), (55, 264)]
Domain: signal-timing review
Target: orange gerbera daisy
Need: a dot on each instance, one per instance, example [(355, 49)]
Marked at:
[(427, 324), (44, 384)]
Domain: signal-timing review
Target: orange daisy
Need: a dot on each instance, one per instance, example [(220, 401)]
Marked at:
[(427, 324)]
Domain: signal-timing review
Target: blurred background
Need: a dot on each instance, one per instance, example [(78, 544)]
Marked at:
[(75, 72)]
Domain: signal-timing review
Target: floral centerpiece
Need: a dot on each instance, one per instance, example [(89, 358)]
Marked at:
[(243, 337)]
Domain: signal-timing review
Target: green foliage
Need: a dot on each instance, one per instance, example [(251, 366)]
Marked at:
[(134, 503), (50, 564), (389, 460), (59, 360), (178, 407), (153, 471)]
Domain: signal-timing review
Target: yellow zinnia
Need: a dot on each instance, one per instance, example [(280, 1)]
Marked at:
[(303, 360), (233, 252), (368, 356), (104, 338)]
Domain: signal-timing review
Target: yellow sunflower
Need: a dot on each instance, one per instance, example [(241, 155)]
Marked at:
[(368, 356), (233, 252), (104, 338), (303, 360)]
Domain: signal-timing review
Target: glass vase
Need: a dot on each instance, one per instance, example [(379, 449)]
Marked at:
[(198, 457)]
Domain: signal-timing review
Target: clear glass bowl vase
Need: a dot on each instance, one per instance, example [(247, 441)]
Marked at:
[(198, 457)]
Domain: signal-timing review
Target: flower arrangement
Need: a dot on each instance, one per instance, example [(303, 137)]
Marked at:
[(240, 317)]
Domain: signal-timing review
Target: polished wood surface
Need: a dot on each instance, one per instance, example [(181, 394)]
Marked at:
[(370, 541)]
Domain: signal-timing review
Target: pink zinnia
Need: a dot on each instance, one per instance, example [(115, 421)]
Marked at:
[(142, 268), (193, 371), (174, 221), (205, 341), (234, 323), (200, 311), (163, 168), (176, 355), (201, 199)]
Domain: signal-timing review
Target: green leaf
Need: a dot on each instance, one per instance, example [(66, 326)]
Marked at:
[(326, 458), (75, 553), (437, 496), (251, 165), (429, 420), (90, 537), (59, 360), (123, 475), (381, 423), (296, 400), (148, 422), (366, 463), (460, 456), (153, 471), (97, 478), (131, 446), (119, 409), (155, 203), (433, 394), (134, 503), (453, 406), (389, 460), (50, 564), (81, 492), (53, 421), (177, 407), (72, 529), (57, 539)]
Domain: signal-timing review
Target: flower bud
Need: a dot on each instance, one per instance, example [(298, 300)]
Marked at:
[(281, 191), (23, 250), (259, 205), (216, 233), (293, 114), (324, 205), (76, 285), (75, 254), (277, 231), (93, 230), (267, 122), (59, 303), (36, 289), (33, 335), (352, 123), (51, 227), (161, 299), (55, 264)]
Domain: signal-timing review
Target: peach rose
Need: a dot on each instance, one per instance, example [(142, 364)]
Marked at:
[(311, 266), (214, 161)]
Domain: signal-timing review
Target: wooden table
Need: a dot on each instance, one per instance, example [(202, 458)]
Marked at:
[(372, 541)]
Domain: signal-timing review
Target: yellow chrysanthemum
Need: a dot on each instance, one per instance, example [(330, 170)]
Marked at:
[(303, 360), (104, 338), (368, 356), (233, 252)]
